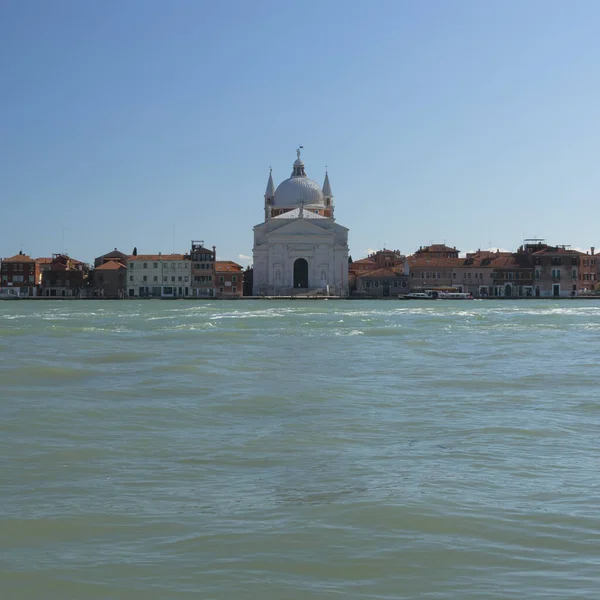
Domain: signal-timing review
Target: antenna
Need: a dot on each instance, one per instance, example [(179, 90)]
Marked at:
[(173, 239)]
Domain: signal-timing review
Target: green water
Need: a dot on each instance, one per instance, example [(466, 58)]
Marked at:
[(299, 450)]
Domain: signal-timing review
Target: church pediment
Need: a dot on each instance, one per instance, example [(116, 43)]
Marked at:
[(301, 227)]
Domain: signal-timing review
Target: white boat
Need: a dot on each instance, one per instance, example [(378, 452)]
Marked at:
[(8, 295), (455, 296), (417, 296)]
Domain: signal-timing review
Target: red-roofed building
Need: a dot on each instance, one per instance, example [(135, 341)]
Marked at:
[(110, 280), (556, 269), (382, 259), (230, 279), (589, 271), (20, 275), (433, 266), (65, 277), (382, 283)]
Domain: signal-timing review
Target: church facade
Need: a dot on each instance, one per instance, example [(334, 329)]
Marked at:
[(299, 249)]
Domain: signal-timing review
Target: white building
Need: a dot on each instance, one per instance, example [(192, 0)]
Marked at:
[(300, 249), (158, 275)]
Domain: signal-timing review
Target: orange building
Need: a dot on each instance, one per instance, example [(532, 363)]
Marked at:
[(229, 279), (20, 275), (433, 266)]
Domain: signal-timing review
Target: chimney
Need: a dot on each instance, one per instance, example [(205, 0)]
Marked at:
[(592, 250)]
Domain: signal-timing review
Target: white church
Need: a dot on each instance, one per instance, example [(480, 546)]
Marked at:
[(300, 249)]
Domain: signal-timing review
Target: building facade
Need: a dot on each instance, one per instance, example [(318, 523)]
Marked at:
[(63, 277), (382, 283), (159, 276), (589, 271), (230, 279), (299, 249), (555, 270), (203, 280), (20, 276)]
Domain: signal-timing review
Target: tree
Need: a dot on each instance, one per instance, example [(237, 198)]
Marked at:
[(135, 251), (350, 260)]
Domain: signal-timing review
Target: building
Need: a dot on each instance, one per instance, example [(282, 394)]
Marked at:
[(299, 249), (512, 275), (203, 280), (248, 281), (20, 275), (109, 277), (391, 260), (589, 271), (110, 280), (63, 277), (159, 276), (113, 256), (433, 266), (230, 279), (556, 269), (382, 283)]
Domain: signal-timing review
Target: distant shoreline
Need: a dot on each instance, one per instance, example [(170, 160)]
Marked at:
[(299, 298)]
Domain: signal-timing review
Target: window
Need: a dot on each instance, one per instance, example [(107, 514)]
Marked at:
[(186, 278), (180, 278), (172, 278), (221, 279), (131, 278), (234, 289), (234, 279), (131, 265), (165, 279), (367, 284), (221, 289), (574, 275), (155, 265), (156, 278), (145, 278), (145, 265)]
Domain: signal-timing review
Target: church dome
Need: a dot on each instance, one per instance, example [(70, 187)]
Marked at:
[(298, 189)]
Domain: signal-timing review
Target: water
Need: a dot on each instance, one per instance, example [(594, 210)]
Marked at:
[(299, 450)]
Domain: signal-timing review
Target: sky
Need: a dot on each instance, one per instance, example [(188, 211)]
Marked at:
[(150, 123)]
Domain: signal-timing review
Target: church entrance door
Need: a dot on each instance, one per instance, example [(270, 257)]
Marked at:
[(300, 273)]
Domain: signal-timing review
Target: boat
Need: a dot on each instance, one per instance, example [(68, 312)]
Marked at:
[(455, 296), (436, 295), (417, 296), (8, 295)]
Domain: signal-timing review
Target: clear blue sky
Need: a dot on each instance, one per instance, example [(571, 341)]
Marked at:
[(473, 122)]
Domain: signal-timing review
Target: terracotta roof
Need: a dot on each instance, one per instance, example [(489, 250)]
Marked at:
[(227, 265), (437, 248), (364, 260), (19, 258), (420, 261), (113, 254), (111, 265), (555, 250), (513, 261), (43, 261), (381, 273), (158, 257)]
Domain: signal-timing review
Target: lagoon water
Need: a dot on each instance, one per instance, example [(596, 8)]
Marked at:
[(299, 450)]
